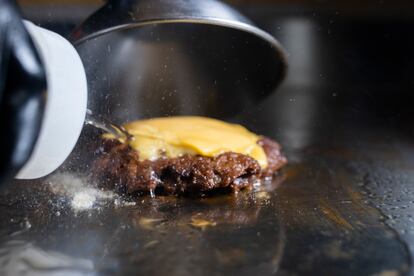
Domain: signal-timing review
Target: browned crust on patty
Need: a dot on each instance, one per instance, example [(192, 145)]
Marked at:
[(118, 167)]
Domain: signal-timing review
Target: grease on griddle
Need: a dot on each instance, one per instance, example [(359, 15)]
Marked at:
[(201, 223)]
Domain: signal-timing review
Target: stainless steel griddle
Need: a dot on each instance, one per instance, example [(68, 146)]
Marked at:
[(319, 220), (343, 206)]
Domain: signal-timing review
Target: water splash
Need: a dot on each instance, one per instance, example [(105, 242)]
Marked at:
[(106, 125), (81, 195)]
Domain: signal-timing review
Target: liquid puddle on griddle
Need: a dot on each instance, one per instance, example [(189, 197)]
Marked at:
[(389, 192)]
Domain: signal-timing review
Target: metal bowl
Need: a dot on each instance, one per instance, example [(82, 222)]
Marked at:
[(151, 58)]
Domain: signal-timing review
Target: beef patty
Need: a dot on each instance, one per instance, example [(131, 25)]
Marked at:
[(118, 167)]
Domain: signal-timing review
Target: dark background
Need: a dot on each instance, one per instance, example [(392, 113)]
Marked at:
[(366, 45)]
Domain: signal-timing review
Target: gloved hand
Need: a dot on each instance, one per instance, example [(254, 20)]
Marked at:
[(22, 91)]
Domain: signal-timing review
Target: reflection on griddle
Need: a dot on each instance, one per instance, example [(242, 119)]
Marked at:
[(187, 236), (21, 258)]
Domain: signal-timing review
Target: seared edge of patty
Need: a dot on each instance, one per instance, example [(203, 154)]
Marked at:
[(118, 167)]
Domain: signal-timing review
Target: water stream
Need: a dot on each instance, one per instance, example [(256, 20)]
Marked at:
[(106, 125)]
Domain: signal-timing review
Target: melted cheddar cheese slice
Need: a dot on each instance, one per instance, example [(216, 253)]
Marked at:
[(175, 136)]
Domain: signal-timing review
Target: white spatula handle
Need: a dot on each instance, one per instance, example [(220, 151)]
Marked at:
[(66, 103)]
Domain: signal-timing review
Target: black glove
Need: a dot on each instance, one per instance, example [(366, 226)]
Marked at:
[(22, 92)]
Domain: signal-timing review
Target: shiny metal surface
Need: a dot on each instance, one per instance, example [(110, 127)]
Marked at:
[(156, 58)]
